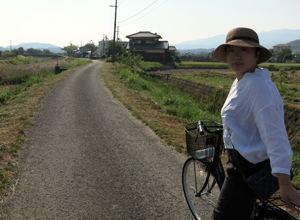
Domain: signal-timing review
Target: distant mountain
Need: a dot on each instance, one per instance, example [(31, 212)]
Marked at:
[(267, 39), (204, 43), (36, 45), (295, 46)]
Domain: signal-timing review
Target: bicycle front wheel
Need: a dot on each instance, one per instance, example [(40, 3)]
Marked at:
[(200, 189)]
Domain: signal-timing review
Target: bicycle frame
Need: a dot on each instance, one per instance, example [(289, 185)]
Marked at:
[(267, 209), (209, 172)]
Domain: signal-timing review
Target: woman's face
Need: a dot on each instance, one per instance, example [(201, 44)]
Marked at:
[(242, 59)]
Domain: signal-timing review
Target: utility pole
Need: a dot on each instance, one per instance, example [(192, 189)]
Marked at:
[(118, 34), (114, 41), (103, 44)]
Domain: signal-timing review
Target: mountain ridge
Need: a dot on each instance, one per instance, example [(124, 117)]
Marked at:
[(267, 38), (35, 45)]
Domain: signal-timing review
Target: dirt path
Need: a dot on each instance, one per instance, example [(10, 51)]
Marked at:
[(89, 158)]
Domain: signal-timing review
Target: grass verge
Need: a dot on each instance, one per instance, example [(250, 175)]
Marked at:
[(168, 127), (15, 115), (162, 107)]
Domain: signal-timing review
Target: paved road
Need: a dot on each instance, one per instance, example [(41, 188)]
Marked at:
[(89, 158)]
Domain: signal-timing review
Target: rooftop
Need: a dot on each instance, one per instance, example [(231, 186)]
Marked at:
[(144, 34)]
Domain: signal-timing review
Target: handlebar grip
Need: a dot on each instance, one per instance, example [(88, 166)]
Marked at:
[(200, 127)]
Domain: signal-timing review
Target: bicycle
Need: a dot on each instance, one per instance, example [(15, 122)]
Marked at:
[(203, 175)]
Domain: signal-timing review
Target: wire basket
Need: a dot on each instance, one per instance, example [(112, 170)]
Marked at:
[(206, 140)]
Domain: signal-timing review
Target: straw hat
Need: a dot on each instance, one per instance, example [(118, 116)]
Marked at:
[(243, 37)]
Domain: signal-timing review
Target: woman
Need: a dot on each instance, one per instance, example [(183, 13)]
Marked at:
[(254, 129)]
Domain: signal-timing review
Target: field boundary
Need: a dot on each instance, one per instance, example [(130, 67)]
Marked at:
[(202, 92)]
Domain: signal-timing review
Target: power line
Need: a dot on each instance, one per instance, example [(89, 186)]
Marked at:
[(139, 12), (144, 15)]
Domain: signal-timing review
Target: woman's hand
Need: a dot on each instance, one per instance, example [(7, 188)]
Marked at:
[(288, 193)]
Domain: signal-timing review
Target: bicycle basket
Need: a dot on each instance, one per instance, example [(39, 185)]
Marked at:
[(203, 141)]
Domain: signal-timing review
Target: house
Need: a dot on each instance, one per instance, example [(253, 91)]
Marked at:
[(84, 52), (148, 45), (277, 48), (96, 53), (103, 45), (172, 50)]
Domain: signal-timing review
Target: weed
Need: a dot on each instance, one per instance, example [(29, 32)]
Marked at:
[(282, 76), (204, 65), (3, 177), (296, 166), (23, 76), (218, 65), (175, 102)]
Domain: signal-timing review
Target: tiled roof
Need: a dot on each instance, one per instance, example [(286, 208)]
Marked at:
[(143, 34), (281, 45)]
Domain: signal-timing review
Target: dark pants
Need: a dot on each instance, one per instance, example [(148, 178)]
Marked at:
[(236, 199)]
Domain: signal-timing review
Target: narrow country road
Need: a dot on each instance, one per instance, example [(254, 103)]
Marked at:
[(88, 158)]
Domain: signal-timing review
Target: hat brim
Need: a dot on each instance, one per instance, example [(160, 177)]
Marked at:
[(220, 53)]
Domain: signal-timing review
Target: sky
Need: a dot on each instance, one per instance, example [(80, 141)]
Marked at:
[(65, 22)]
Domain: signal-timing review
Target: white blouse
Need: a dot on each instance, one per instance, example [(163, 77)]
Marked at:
[(253, 120)]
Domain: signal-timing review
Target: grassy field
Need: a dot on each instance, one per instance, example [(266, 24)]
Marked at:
[(286, 76), (218, 65), (203, 65), (289, 87), (20, 74)]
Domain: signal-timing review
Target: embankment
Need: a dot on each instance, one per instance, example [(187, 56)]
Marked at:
[(216, 97)]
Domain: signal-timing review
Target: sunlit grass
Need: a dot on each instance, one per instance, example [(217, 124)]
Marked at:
[(170, 98), (218, 65), (24, 74)]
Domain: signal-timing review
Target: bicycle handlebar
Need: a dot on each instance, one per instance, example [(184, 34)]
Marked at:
[(201, 127)]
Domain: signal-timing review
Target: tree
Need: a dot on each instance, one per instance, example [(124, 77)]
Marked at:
[(119, 49), (32, 51), (134, 63), (92, 47), (47, 52), (22, 51), (16, 52), (70, 49), (284, 54), (7, 54)]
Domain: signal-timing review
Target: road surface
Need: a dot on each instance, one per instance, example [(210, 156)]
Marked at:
[(88, 158)]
